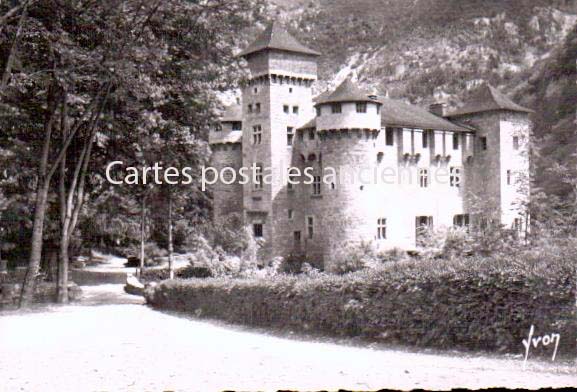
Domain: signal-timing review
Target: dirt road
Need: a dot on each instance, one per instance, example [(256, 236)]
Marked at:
[(112, 342)]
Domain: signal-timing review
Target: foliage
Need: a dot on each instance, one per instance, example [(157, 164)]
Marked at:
[(475, 303)]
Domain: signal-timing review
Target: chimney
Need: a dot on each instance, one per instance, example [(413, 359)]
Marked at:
[(438, 109)]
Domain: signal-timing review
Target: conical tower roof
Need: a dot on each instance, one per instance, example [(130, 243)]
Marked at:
[(276, 37), (347, 91), (487, 98)]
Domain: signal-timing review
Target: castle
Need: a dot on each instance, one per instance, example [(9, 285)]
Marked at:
[(442, 169)]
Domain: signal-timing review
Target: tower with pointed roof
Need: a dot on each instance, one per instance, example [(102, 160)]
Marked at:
[(351, 168), (500, 167), (275, 102)]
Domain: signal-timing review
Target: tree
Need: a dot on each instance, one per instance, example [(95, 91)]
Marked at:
[(115, 69)]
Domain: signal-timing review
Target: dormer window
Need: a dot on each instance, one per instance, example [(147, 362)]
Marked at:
[(361, 107), (390, 136), (336, 108), (425, 139), (237, 126)]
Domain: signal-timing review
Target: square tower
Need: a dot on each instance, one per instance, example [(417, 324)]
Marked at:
[(500, 186), (277, 100)]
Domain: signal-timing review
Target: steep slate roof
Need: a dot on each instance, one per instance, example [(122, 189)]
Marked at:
[(276, 37), (232, 113), (347, 91), (486, 99), (395, 113)]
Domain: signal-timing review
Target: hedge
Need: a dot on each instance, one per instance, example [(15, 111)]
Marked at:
[(471, 304)]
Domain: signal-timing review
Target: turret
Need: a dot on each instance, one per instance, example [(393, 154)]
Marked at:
[(348, 122)]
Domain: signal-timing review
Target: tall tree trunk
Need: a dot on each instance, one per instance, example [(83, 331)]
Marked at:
[(142, 231), (40, 203), (170, 239), (28, 285), (62, 284)]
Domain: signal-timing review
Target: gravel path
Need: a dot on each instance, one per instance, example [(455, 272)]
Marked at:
[(130, 347)]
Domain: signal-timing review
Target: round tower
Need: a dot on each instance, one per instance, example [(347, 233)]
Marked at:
[(348, 122)]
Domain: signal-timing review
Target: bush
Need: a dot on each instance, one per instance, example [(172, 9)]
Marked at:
[(351, 257), (153, 254), (463, 303)]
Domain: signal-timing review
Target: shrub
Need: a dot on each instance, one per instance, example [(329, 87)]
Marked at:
[(351, 257), (462, 303)]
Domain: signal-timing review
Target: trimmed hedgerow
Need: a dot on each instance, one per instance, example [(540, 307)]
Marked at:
[(472, 304)]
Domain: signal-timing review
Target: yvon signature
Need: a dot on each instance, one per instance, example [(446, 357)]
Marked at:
[(544, 340)]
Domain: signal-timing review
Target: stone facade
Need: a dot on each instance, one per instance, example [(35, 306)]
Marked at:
[(395, 168)]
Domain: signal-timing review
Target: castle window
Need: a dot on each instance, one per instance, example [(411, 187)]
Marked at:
[(423, 224), (290, 214), (423, 178), (257, 230), (237, 126), (317, 185), (483, 141), (361, 107), (455, 141), (509, 177), (380, 156), (425, 139), (295, 110), (310, 227), (292, 173), (336, 108), (273, 78), (256, 134), (255, 90), (333, 186), (455, 177), (297, 238), (250, 108), (312, 157), (461, 220), (378, 109), (318, 111), (390, 136), (258, 178), (312, 134), (286, 109), (382, 229), (290, 89), (257, 108), (515, 142), (290, 134)]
